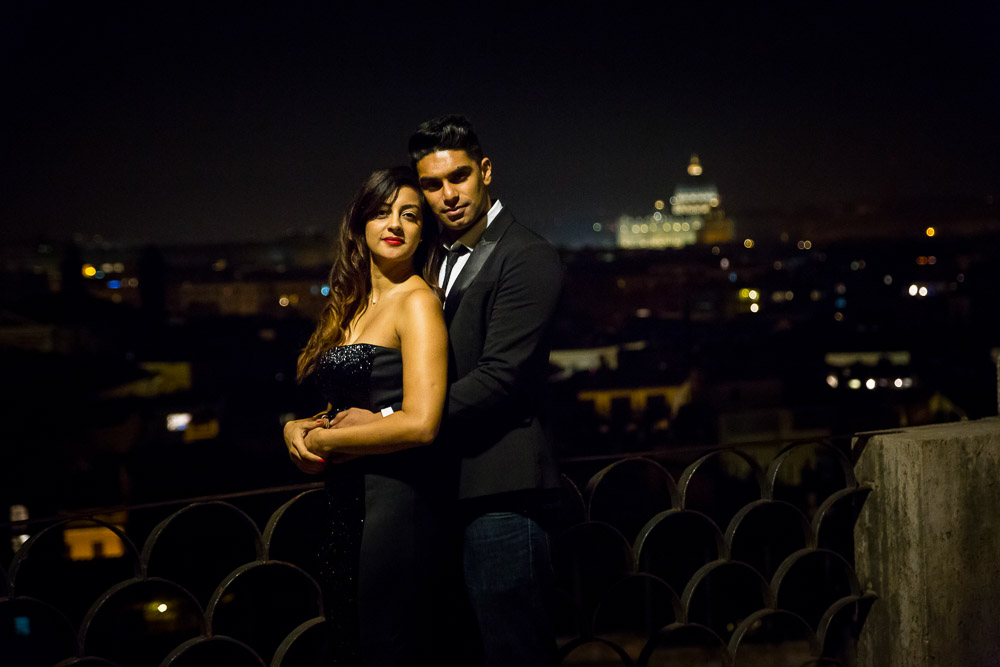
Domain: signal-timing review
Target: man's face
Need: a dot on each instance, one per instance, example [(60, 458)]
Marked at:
[(455, 186)]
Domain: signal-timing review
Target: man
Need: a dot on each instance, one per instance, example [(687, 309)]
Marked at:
[(502, 283)]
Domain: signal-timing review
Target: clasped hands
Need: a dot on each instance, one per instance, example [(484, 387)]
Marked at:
[(308, 450)]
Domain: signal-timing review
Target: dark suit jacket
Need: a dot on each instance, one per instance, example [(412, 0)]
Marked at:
[(498, 315)]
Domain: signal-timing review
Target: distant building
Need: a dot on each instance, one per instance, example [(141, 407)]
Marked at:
[(695, 216), (274, 295)]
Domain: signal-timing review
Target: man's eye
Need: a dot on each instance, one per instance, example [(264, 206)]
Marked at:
[(430, 187)]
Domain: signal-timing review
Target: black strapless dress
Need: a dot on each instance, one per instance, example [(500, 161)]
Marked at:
[(380, 567)]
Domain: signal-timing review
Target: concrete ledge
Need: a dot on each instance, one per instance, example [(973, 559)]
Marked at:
[(927, 543)]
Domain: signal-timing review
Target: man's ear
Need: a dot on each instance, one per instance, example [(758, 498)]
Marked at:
[(486, 167)]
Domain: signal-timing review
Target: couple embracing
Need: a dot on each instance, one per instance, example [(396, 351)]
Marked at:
[(438, 469)]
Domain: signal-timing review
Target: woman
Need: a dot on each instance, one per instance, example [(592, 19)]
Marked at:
[(381, 342)]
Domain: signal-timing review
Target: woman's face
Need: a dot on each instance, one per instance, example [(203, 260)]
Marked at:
[(394, 232)]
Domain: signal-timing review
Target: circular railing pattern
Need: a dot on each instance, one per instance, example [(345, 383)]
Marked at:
[(734, 562)]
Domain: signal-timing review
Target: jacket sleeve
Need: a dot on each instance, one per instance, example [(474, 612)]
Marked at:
[(515, 351)]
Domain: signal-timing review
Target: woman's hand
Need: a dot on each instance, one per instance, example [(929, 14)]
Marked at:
[(295, 433)]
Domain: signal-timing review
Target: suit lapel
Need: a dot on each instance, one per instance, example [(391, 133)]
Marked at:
[(480, 254)]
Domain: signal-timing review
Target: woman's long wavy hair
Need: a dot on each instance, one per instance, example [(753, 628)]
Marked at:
[(350, 279)]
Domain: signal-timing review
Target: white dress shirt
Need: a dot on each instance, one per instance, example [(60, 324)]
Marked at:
[(464, 257)]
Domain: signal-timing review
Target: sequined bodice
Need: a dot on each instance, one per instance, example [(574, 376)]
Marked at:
[(360, 375)]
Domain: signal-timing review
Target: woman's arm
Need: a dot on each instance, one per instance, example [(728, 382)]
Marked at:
[(424, 343)]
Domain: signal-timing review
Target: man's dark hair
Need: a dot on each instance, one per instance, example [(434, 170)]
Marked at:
[(445, 133)]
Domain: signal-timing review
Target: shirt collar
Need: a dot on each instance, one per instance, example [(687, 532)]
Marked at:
[(472, 236), (493, 212)]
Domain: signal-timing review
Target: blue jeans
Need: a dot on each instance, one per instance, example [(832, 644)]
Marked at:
[(508, 575)]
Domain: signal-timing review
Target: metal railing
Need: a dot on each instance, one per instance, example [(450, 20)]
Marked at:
[(737, 556)]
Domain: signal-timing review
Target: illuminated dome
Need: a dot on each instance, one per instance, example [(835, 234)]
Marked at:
[(694, 196), (694, 169), (695, 216)]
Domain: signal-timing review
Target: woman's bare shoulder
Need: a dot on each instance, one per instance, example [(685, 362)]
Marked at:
[(420, 307), (419, 294)]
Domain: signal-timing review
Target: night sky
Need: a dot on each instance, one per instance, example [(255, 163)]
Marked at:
[(193, 121)]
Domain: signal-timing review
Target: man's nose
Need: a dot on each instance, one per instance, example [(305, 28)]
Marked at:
[(449, 193)]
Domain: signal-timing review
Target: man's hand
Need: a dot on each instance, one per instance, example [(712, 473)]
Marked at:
[(295, 434), (353, 417)]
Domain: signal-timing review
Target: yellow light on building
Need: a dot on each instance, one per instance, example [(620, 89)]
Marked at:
[(748, 243), (659, 205), (88, 271), (930, 231), (90, 542)]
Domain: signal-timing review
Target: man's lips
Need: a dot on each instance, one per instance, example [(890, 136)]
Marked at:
[(393, 240), (455, 213)]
